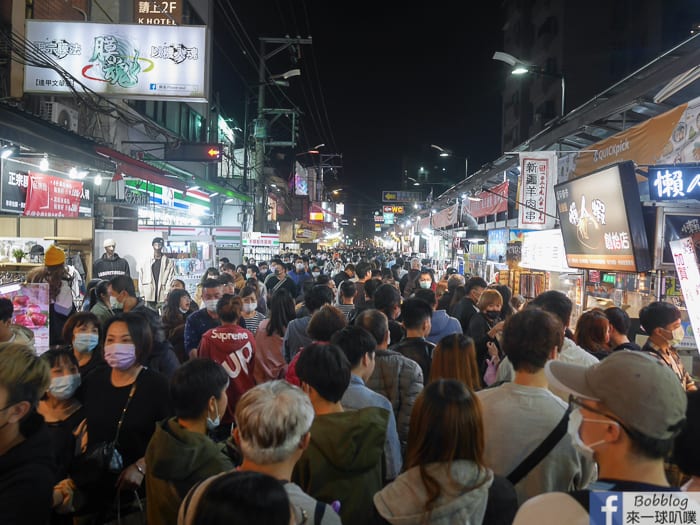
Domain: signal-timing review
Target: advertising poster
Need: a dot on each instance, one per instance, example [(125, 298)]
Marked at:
[(689, 277), (119, 60), (601, 221), (31, 310), (49, 196)]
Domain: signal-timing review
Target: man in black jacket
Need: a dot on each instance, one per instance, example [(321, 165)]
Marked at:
[(466, 308), (110, 264), (416, 315)]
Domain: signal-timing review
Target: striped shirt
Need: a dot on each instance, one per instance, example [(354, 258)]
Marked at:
[(347, 309), (253, 323)]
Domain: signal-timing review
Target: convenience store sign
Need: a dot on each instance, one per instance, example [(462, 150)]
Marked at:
[(169, 197), (260, 239)]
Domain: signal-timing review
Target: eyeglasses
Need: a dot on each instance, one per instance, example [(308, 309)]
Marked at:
[(574, 401)]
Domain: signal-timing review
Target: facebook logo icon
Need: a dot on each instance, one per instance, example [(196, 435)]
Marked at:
[(605, 508), (152, 86)]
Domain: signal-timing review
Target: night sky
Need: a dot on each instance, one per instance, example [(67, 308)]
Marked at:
[(381, 81)]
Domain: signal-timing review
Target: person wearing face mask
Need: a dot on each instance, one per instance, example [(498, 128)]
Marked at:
[(615, 421), (662, 322), (519, 415), (249, 313), (204, 319), (180, 454), (177, 309), (27, 471), (64, 416), (101, 302), (234, 348), (280, 279), (300, 275), (128, 341), (83, 331), (485, 327)]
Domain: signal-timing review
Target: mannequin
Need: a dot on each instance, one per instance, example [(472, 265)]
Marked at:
[(155, 275), (110, 264)]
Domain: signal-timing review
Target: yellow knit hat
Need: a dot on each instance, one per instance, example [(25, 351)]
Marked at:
[(54, 256)]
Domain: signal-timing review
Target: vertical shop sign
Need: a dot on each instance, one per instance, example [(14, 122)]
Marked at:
[(686, 263), (538, 172), (49, 196)]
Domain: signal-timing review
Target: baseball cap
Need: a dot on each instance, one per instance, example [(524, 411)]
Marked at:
[(640, 390), (451, 271), (109, 242), (54, 256), (157, 239)]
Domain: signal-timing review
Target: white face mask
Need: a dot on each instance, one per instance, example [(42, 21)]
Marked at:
[(424, 284), (116, 305), (315, 274), (183, 310), (83, 342), (300, 267), (574, 427), (677, 336), (210, 304), (249, 307), (63, 387)]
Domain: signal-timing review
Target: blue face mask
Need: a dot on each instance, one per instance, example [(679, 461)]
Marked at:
[(63, 387), (214, 423), (84, 343)]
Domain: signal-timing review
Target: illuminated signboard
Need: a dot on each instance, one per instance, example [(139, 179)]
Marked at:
[(601, 221), (396, 209), (160, 13), (119, 60), (669, 182), (316, 216), (195, 152), (143, 193), (402, 196)]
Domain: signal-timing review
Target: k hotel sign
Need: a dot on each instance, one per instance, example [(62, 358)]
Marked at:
[(49, 196), (601, 221), (158, 13), (119, 60)]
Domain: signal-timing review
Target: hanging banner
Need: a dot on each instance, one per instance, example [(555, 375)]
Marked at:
[(536, 205), (489, 202), (49, 196), (446, 217), (686, 263)]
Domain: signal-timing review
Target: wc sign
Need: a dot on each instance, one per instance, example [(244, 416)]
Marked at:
[(396, 209)]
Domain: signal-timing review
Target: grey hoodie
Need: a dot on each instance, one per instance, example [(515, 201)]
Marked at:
[(402, 502)]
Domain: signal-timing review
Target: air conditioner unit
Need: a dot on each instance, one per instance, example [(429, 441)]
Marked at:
[(62, 115)]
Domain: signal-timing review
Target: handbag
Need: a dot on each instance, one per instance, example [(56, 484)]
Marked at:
[(101, 458)]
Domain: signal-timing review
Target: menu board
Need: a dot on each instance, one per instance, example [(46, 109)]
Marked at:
[(601, 221)]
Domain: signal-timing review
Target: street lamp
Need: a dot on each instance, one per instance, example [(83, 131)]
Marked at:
[(521, 67), (444, 152)]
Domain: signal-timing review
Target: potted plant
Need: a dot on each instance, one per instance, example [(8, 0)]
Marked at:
[(18, 253)]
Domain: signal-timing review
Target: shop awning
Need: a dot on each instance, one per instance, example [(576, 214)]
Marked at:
[(211, 187), (140, 170)]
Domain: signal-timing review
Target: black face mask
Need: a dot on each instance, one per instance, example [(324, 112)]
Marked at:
[(493, 315)]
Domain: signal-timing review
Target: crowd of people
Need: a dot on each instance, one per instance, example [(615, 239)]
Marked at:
[(347, 387)]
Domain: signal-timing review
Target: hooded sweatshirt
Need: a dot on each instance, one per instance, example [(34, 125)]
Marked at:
[(27, 476), (107, 267), (443, 325), (344, 461), (402, 502), (20, 334), (178, 458)]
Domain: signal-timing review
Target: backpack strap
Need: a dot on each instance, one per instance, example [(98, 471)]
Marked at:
[(318, 512), (541, 451)]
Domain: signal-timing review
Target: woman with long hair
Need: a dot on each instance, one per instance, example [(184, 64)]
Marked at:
[(485, 327), (454, 357), (178, 306), (60, 281), (445, 478), (99, 302), (269, 361), (593, 333)]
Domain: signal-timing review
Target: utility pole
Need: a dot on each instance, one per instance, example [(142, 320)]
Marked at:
[(260, 126)]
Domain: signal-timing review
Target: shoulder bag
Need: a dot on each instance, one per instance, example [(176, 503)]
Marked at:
[(541, 451), (102, 458)]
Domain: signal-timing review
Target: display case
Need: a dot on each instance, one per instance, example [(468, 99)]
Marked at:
[(191, 259)]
